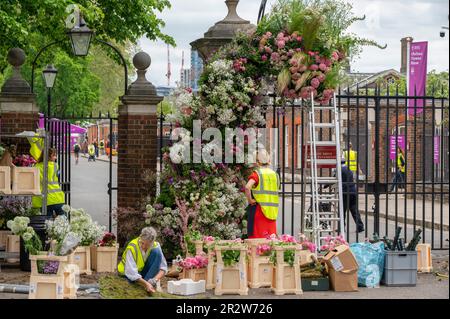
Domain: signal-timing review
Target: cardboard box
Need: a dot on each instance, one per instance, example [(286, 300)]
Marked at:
[(342, 269)]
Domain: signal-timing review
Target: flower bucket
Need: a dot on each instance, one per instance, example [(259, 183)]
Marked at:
[(286, 278), (259, 267)]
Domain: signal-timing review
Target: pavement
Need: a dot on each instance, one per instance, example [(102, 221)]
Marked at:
[(429, 286)]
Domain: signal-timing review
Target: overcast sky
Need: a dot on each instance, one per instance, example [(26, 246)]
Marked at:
[(387, 22)]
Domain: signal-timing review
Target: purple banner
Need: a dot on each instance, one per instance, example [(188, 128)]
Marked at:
[(393, 145), (417, 76), (437, 144)]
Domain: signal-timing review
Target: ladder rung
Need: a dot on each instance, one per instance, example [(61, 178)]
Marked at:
[(324, 161), (327, 200), (329, 219), (325, 125), (324, 180), (321, 213), (324, 143)]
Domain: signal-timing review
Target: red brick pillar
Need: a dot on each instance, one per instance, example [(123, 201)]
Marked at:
[(18, 110), (137, 136)]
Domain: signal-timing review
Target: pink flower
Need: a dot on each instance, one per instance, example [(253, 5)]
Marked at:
[(208, 238), (314, 67), (322, 67), (321, 77), (268, 34), (315, 83), (268, 50), (280, 36), (275, 57), (281, 44), (264, 57), (335, 56), (302, 68), (311, 53)]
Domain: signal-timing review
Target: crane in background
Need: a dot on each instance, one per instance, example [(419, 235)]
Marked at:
[(169, 72)]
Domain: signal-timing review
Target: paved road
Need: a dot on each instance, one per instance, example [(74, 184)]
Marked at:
[(89, 188)]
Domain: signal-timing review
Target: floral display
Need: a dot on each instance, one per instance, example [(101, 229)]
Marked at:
[(48, 267), (60, 234), (263, 250), (24, 161), (10, 207), (82, 224), (306, 244), (333, 242), (283, 240), (108, 240), (297, 51), (197, 262), (19, 226)]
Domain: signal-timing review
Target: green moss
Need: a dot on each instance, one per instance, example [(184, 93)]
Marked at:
[(114, 287)]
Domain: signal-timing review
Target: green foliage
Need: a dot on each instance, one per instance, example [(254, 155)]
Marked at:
[(167, 196), (165, 107), (230, 257), (190, 237)]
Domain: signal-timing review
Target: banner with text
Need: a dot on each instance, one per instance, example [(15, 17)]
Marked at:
[(401, 142), (418, 60)]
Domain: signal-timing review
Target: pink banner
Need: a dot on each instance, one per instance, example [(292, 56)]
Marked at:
[(437, 144), (418, 60), (393, 145)]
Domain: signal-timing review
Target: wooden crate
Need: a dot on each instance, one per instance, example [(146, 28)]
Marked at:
[(12, 246), (5, 180), (83, 259), (259, 267), (104, 259), (25, 181), (195, 274), (424, 261), (4, 237), (286, 279), (231, 279), (57, 286)]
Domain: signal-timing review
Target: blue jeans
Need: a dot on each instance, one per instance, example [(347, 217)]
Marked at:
[(55, 210), (152, 264)]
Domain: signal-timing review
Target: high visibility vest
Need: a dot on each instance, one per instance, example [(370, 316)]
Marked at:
[(91, 150), (102, 144), (352, 162), (402, 168), (37, 147), (133, 246), (266, 192), (54, 193)]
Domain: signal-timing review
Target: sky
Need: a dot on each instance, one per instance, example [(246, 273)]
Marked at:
[(387, 21)]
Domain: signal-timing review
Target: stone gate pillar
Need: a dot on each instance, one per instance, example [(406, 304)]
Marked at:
[(137, 136), (18, 108)]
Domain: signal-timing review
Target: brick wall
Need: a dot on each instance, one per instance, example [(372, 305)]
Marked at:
[(13, 123), (137, 152)]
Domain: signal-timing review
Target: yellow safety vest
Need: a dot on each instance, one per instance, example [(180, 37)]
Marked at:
[(266, 192), (91, 150), (352, 162), (37, 146), (402, 168), (133, 246), (54, 193)]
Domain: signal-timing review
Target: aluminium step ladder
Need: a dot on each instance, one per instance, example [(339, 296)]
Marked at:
[(325, 216)]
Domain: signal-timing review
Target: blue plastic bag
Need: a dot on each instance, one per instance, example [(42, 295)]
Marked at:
[(370, 259)]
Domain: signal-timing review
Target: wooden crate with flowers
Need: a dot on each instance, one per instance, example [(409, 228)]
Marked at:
[(24, 177), (309, 252), (89, 232), (285, 257), (195, 268), (104, 254), (231, 268), (259, 266)]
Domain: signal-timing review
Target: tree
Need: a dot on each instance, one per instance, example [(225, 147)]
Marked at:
[(29, 24)]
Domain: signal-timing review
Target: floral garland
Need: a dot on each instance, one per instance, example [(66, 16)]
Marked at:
[(299, 49)]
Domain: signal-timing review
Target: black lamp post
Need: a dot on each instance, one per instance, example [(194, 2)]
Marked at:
[(49, 75), (80, 38)]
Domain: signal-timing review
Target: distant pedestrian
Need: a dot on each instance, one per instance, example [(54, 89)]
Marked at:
[(102, 147), (76, 152), (96, 148), (91, 151), (351, 160), (399, 178), (350, 196), (84, 147)]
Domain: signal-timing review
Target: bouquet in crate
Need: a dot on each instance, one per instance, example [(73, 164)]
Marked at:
[(197, 262), (283, 240), (82, 224), (24, 161), (108, 240)]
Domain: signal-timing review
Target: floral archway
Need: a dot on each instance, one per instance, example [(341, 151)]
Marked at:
[(301, 48)]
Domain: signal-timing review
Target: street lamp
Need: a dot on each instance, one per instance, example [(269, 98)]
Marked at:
[(49, 75), (80, 38)]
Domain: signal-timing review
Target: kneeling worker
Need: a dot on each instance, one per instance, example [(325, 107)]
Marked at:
[(143, 261)]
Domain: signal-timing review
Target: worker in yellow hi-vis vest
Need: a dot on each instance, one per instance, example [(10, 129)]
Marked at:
[(143, 261), (55, 196), (351, 160), (262, 195), (399, 178)]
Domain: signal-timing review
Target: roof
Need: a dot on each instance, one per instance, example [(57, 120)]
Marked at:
[(364, 80)]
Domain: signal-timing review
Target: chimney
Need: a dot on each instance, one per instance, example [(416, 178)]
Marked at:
[(404, 65)]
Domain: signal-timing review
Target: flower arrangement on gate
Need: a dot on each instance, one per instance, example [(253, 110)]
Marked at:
[(299, 49)]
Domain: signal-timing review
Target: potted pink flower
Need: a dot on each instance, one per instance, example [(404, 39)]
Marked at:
[(194, 267)]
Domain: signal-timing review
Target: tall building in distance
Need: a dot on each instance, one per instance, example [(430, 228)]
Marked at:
[(196, 69), (185, 78)]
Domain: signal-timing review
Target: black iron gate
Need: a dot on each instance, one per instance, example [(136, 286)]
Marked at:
[(62, 138)]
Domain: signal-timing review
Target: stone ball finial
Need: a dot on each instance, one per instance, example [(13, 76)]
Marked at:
[(16, 57), (142, 61)]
